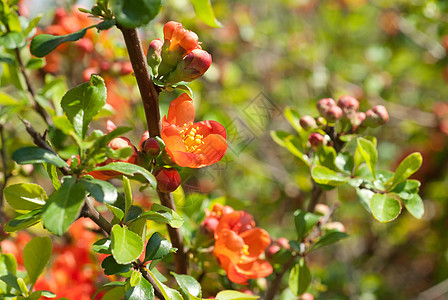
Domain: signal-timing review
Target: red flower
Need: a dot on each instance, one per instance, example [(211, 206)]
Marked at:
[(238, 246), (193, 145), (176, 35)]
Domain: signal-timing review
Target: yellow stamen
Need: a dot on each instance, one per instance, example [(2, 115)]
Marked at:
[(246, 250)]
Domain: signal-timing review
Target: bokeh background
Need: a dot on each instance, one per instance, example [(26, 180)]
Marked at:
[(272, 54)]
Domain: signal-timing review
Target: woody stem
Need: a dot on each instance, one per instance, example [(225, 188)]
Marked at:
[(150, 98)]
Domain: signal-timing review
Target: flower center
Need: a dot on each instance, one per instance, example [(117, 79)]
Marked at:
[(192, 140), (245, 250)]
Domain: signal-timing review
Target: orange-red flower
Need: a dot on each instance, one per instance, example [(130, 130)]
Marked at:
[(175, 35), (193, 145), (239, 245)]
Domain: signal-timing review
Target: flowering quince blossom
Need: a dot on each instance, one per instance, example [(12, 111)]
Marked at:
[(213, 217), (193, 145), (238, 246)]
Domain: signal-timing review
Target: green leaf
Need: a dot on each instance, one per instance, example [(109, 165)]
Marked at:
[(289, 142), (157, 247), (299, 278), (126, 245), (141, 291), (23, 288), (330, 237), (365, 196), (63, 206), (36, 255), (204, 11), (407, 167), (384, 208), (43, 44), (369, 153), (293, 117), (24, 221), (53, 174), (135, 13), (415, 206), (83, 102), (323, 175), (109, 286), (127, 194), (111, 267), (327, 157), (35, 63), (163, 214), (101, 190), (25, 197), (118, 213), (188, 284), (12, 40), (33, 23), (135, 278), (102, 246), (407, 189), (6, 99), (304, 221), (167, 292), (234, 295), (129, 169), (35, 155)]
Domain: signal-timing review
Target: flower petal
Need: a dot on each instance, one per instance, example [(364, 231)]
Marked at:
[(214, 148), (256, 269), (211, 127), (257, 239), (229, 244), (238, 221), (181, 111)]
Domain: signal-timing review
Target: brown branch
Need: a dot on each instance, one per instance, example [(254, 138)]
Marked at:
[(6, 174), (315, 196), (150, 98)]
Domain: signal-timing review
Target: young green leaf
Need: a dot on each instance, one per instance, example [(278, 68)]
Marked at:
[(163, 214), (63, 206), (330, 237), (12, 40), (299, 278), (36, 255), (168, 293), (34, 155), (25, 197), (132, 14), (188, 284), (407, 167), (384, 208), (129, 169), (234, 295), (415, 206), (83, 102), (43, 44), (369, 153), (323, 175), (143, 290), (127, 194), (102, 246), (304, 221), (204, 11), (52, 173), (126, 245), (157, 247), (24, 221)]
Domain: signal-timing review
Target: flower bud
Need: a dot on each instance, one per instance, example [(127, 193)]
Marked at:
[(283, 242), (145, 136), (193, 66), (307, 122), (323, 105), (349, 105), (272, 250), (126, 68), (335, 225), (316, 139), (168, 180), (334, 113), (306, 296), (151, 147), (322, 209), (210, 224), (357, 120), (153, 57), (376, 116)]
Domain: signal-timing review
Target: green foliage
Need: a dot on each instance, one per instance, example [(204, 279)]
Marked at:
[(63, 206), (36, 255), (234, 295), (111, 266), (299, 278), (204, 11), (34, 155), (24, 197), (126, 245), (129, 169), (140, 290), (24, 221), (304, 222), (83, 102), (330, 237), (101, 190), (326, 176), (189, 286), (385, 208), (157, 247), (368, 152), (407, 167), (163, 214), (43, 44), (136, 13)]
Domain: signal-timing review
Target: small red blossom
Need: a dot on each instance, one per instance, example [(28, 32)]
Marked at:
[(239, 245), (175, 35), (193, 145)]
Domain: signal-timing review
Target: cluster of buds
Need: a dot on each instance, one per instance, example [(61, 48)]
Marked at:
[(345, 111), (179, 57)]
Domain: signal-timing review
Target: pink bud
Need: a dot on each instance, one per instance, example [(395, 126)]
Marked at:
[(151, 147), (153, 57), (283, 242), (334, 113), (110, 126), (349, 105), (126, 68), (376, 116), (210, 224), (85, 45), (306, 296), (87, 73), (316, 139), (192, 67), (145, 136), (307, 122), (272, 250), (357, 120), (168, 180), (335, 225), (323, 105), (322, 209)]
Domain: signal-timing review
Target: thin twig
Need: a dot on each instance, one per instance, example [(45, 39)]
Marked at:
[(315, 196), (150, 98), (6, 174)]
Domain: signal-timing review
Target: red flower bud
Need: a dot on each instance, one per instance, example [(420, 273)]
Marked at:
[(323, 105), (175, 34), (316, 139), (192, 66), (283, 242), (357, 120), (272, 250), (376, 116), (126, 68), (168, 180), (85, 45), (307, 122), (349, 105), (151, 147), (153, 57)]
